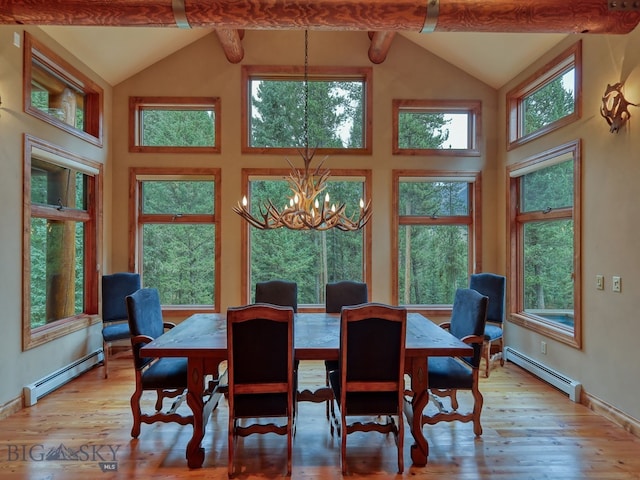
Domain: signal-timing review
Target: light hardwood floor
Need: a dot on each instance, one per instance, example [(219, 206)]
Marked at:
[(531, 431)]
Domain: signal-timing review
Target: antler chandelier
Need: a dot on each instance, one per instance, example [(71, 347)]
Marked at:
[(305, 209)]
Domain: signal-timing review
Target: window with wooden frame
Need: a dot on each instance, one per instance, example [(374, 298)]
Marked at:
[(544, 268), (174, 124), (436, 241), (549, 99), (61, 242), (175, 215), (339, 109), (436, 127), (59, 94), (309, 258)]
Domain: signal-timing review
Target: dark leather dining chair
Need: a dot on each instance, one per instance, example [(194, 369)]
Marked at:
[(277, 292), (115, 288), (337, 295), (260, 373), (167, 376), (370, 379), (495, 287), (448, 375)]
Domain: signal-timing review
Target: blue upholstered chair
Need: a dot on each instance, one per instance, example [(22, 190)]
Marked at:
[(115, 288), (447, 375), (370, 379), (493, 286), (338, 295), (166, 376), (277, 292), (260, 372)]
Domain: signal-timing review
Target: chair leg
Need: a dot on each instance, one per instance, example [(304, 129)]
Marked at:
[(501, 352), (478, 400), (135, 410), (230, 445), (106, 351), (343, 446), (487, 357), (400, 443)]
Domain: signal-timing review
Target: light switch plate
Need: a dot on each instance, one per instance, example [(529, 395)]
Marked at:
[(616, 284), (600, 282)]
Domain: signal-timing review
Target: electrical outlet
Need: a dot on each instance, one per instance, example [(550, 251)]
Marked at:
[(543, 348), (599, 282), (616, 284)]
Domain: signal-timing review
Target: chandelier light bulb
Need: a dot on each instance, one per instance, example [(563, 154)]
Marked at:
[(244, 201), (361, 204), (326, 198)]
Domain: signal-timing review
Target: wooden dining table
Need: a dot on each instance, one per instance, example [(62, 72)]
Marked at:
[(202, 339)]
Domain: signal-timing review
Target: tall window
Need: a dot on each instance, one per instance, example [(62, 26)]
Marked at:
[(60, 249), (176, 217), (436, 236), (310, 258), (171, 124), (548, 100), (436, 127), (59, 94), (545, 230), (339, 109)]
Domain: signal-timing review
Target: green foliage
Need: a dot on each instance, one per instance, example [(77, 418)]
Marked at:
[(433, 260), (334, 110), (178, 128), (309, 258), (548, 104), (422, 130)]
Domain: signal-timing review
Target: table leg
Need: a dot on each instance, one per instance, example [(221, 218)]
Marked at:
[(195, 382), (414, 408)]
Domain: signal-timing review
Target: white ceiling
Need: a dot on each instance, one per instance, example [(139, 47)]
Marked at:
[(116, 53)]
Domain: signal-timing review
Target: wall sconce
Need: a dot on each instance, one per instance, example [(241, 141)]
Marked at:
[(615, 108)]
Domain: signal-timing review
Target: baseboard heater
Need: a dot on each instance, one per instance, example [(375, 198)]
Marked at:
[(557, 379), (32, 393)]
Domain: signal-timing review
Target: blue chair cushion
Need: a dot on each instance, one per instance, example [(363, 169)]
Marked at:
[(115, 331), (447, 373), (492, 332), (166, 373)]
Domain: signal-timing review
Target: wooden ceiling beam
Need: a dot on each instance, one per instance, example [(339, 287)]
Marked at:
[(380, 45), (532, 16), (231, 42)]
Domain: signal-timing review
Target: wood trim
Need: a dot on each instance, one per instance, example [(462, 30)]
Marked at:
[(137, 219), (94, 94), (475, 221), (135, 104), (530, 85), (617, 416), (472, 107), (296, 72), (11, 407), (93, 231), (515, 260)]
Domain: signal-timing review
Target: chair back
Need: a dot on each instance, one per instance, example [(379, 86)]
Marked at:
[(260, 352), (493, 286), (115, 288), (278, 292), (145, 318), (372, 346), (468, 317), (344, 293)]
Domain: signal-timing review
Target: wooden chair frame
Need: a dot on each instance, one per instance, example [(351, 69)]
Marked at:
[(364, 313), (271, 313)]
